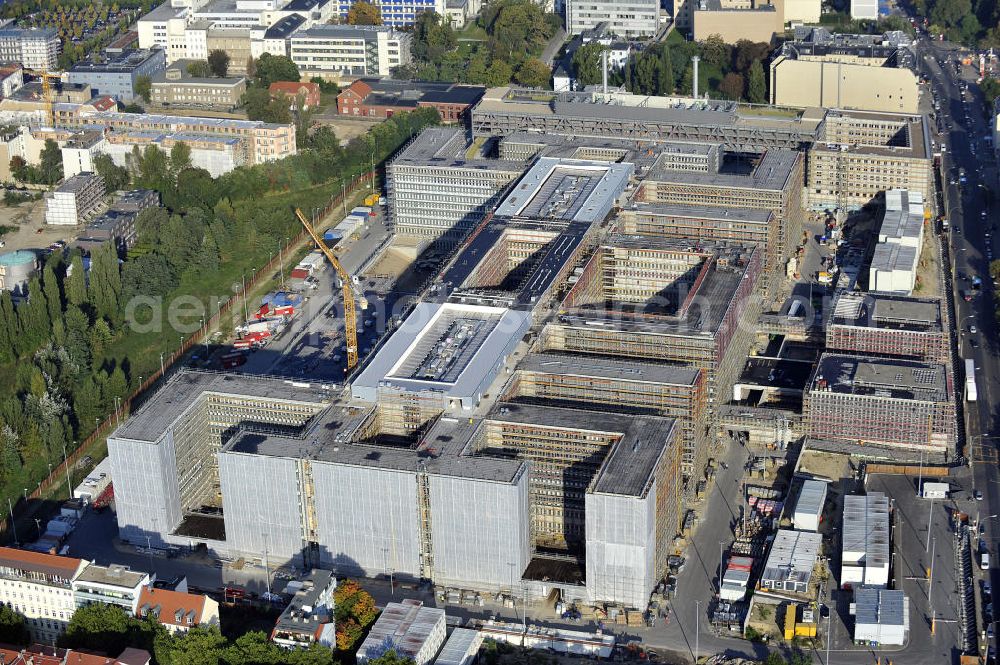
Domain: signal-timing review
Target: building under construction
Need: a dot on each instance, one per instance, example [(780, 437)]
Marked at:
[(664, 300), (881, 407), (860, 154), (676, 391), (440, 186), (771, 181), (885, 325), (700, 222)]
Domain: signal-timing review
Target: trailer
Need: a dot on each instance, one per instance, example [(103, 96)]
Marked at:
[(971, 393)]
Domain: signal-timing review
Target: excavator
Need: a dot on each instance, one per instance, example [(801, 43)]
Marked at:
[(347, 291)]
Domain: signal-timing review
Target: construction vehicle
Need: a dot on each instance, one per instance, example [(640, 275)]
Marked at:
[(350, 311), (46, 92)]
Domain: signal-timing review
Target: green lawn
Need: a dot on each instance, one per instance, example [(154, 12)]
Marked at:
[(472, 30)]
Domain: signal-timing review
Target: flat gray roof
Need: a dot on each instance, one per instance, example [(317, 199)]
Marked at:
[(448, 147), (628, 468), (753, 216), (772, 172), (883, 377), (77, 183), (875, 606), (296, 618), (606, 368), (114, 574), (876, 310), (572, 189), (183, 389)]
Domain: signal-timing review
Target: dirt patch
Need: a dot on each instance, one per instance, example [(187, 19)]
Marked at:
[(928, 283), (823, 465), (396, 259), (29, 218), (345, 128)]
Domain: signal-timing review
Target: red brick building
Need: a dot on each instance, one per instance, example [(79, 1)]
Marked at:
[(381, 98), (293, 89)]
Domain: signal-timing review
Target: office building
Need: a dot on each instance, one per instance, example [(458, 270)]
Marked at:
[(178, 611), (164, 27), (846, 71), (349, 51), (887, 325), (733, 20), (881, 617), (865, 540), (882, 406), (412, 630), (675, 391), (76, 201), (382, 98), (109, 585), (116, 74), (308, 618), (790, 563), (440, 188), (860, 154), (40, 587), (34, 48), (700, 222), (631, 19), (616, 113), (900, 241), (175, 88), (397, 13)]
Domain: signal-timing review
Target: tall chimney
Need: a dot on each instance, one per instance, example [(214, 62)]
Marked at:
[(604, 72), (694, 80)]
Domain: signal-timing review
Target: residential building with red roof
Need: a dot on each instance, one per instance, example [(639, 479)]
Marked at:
[(382, 98), (38, 654), (309, 92), (178, 611), (39, 586)]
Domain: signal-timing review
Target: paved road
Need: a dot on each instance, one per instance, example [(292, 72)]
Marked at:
[(970, 245)]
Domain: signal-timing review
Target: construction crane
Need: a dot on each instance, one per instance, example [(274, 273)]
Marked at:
[(46, 91), (350, 311)]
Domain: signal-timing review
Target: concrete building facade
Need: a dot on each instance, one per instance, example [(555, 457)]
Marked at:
[(117, 74), (75, 201), (628, 19), (40, 587), (34, 48)]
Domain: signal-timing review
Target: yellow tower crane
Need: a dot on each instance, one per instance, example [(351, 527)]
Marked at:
[(46, 91), (350, 311)]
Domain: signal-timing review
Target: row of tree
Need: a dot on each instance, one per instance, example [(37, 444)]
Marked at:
[(517, 32), (975, 23), (734, 71), (70, 351)]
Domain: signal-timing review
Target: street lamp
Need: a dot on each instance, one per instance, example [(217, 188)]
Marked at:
[(697, 629)]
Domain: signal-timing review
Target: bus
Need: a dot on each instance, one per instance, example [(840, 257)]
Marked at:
[(970, 380)]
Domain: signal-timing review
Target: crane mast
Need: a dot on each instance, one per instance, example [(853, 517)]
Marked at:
[(350, 311)]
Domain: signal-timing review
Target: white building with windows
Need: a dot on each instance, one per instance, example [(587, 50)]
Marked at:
[(39, 586), (35, 48), (110, 585), (349, 50), (75, 201)]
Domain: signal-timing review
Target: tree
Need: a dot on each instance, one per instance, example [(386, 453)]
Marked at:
[(12, 626), (746, 52), (499, 73), (732, 86), (271, 68), (180, 157), (75, 284), (533, 73), (144, 87), (390, 657), (432, 37), (218, 62), (756, 87), (99, 627), (115, 177), (260, 106), (364, 13), (199, 69), (586, 63), (105, 281), (715, 51), (51, 165)]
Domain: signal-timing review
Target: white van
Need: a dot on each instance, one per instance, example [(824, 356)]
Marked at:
[(984, 561)]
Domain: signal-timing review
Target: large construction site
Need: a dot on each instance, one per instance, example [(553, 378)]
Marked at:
[(542, 419)]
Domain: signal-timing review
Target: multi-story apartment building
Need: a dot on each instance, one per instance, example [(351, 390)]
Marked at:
[(178, 611), (35, 48), (164, 27), (882, 406), (39, 586), (109, 585), (885, 325), (437, 191), (75, 201), (348, 51), (845, 71), (859, 154), (117, 74), (629, 19)]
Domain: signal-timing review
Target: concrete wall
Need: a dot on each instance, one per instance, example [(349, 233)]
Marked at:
[(828, 84), (734, 25), (147, 498)]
